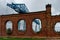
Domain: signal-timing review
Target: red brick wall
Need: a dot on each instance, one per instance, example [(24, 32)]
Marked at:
[(29, 19), (47, 20), (0, 25)]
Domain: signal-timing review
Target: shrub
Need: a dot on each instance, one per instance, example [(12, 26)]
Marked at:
[(9, 31)]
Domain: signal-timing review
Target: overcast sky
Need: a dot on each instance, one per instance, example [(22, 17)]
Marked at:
[(33, 6)]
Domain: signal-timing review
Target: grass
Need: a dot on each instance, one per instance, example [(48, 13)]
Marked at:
[(22, 38)]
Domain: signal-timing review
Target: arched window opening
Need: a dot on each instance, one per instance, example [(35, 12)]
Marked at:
[(36, 25), (57, 27), (9, 25), (22, 25)]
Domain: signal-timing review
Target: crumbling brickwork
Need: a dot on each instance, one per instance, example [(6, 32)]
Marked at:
[(47, 20)]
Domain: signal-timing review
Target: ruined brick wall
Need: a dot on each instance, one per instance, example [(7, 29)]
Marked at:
[(47, 20), (29, 19)]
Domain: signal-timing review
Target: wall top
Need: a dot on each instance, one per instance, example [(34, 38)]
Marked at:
[(48, 5)]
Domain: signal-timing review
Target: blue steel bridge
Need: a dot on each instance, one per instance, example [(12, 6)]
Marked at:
[(20, 8)]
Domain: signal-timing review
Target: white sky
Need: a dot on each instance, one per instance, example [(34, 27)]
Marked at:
[(33, 5)]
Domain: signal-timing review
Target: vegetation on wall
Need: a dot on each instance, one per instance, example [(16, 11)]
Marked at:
[(8, 31)]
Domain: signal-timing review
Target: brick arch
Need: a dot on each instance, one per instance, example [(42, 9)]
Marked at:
[(21, 19), (8, 21), (41, 25), (36, 18), (53, 23), (4, 26), (20, 32), (54, 27), (12, 25)]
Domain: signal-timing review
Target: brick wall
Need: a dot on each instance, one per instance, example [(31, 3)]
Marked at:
[(47, 20)]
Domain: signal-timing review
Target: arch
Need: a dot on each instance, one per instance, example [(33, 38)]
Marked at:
[(36, 25), (21, 25), (9, 25), (57, 27)]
